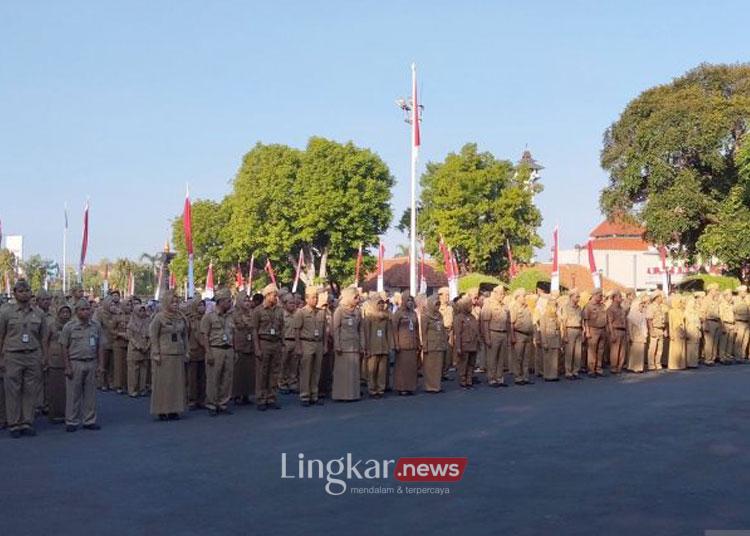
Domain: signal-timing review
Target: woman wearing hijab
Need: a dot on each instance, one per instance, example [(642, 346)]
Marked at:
[(55, 384), (378, 343), (434, 345), (138, 349), (676, 320), (169, 338), (638, 330), (348, 347), (196, 368), (407, 344)]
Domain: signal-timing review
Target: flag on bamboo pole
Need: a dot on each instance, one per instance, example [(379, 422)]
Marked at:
[(300, 264), (381, 255), (187, 226), (555, 278), (269, 270), (595, 275)]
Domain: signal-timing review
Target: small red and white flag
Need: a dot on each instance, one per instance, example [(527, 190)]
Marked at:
[(358, 266), (105, 283), (172, 280), (84, 241), (300, 264), (187, 225), (269, 270), (381, 257), (555, 278), (131, 284), (512, 266), (7, 283), (422, 275), (250, 270), (208, 291), (595, 275), (239, 280)]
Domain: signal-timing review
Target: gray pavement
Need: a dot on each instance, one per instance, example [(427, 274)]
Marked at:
[(667, 453)]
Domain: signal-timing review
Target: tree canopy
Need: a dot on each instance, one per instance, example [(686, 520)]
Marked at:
[(672, 160), (478, 204)]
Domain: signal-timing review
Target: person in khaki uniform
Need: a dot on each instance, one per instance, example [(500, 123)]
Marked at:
[(327, 303), (550, 339), (711, 325), (693, 332), (82, 350), (638, 332), (168, 333), (289, 370), (309, 328), (571, 320), (495, 327), (348, 344), (726, 313), (676, 323), (196, 368), (617, 327), (657, 330), (446, 310), (43, 301), (139, 346), (268, 330), (217, 333), (244, 356), (434, 345), (522, 333), (23, 347), (105, 318), (121, 319), (595, 324), (55, 384), (467, 332), (378, 341), (741, 312), (407, 346)]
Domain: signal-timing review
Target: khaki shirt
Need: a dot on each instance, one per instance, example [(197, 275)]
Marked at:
[(406, 329), (288, 328), (741, 310), (726, 311), (466, 329), (22, 330), (195, 346), (617, 318), (549, 330), (495, 315), (378, 332), (81, 340), (311, 323), (243, 332), (347, 330), (711, 309), (595, 315), (168, 336), (269, 322), (572, 316), (218, 329), (434, 334), (523, 320), (447, 311)]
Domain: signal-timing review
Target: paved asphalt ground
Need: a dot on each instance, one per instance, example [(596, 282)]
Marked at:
[(667, 453)]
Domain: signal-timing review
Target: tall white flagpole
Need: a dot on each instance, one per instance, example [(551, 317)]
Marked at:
[(65, 253), (415, 141)]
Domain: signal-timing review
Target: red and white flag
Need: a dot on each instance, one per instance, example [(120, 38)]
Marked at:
[(416, 139), (105, 283), (84, 240), (300, 264), (381, 256), (187, 225), (555, 278), (512, 266), (131, 284), (422, 275), (172, 280), (250, 270), (595, 275), (269, 270), (239, 280), (7, 283), (208, 292), (358, 266)]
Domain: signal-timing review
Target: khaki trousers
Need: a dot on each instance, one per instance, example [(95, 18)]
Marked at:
[(617, 349), (23, 376), (573, 351), (104, 379), (712, 335), (377, 370), (289, 366), (309, 371), (741, 339), (497, 356), (80, 396), (219, 377), (465, 367), (596, 350), (3, 418), (120, 367), (523, 351), (655, 351), (196, 382), (137, 376), (267, 372), (727, 340)]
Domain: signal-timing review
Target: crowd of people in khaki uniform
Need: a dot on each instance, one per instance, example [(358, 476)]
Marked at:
[(56, 351)]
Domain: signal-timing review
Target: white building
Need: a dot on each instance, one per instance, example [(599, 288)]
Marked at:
[(14, 243), (622, 254)]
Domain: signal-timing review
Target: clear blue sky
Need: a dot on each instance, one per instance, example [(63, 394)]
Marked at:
[(125, 102)]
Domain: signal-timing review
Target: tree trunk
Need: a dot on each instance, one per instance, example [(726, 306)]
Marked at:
[(323, 260)]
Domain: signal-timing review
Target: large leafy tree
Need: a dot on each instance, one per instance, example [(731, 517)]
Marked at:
[(671, 154), (478, 203), (37, 270)]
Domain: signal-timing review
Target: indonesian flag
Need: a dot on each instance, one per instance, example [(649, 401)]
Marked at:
[(381, 255), (84, 240), (7, 284), (105, 283), (555, 279), (300, 264), (422, 275), (448, 265), (239, 280), (358, 266), (208, 292), (595, 275), (172, 280), (131, 284), (415, 136), (157, 292), (250, 270), (269, 270), (187, 225), (512, 266)]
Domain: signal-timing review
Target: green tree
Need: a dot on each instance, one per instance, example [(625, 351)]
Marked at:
[(671, 154), (7, 263), (478, 203), (728, 237), (37, 270)]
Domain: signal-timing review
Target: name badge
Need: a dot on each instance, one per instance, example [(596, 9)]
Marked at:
[(25, 338), (92, 341), (225, 338), (411, 325), (273, 331), (250, 337), (317, 333), (174, 337), (380, 333), (350, 322), (438, 325)]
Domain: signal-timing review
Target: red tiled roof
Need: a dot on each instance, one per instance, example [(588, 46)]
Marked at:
[(396, 275), (575, 276), (615, 228), (628, 244)]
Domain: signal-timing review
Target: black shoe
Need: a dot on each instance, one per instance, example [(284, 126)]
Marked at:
[(212, 413), (163, 417), (173, 417), (274, 405), (262, 407), (15, 434), (92, 427), (70, 428), (28, 432), (305, 403), (227, 411), (320, 401)]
